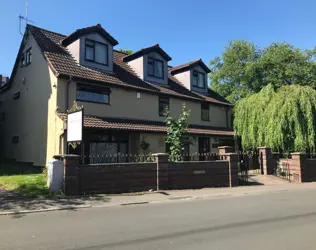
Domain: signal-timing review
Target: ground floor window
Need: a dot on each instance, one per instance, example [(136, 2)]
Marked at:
[(106, 147)]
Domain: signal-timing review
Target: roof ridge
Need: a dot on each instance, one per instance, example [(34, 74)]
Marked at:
[(46, 30)]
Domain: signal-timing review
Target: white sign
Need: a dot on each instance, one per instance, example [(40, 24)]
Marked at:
[(74, 126)]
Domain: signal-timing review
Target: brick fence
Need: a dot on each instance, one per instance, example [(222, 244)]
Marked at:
[(300, 167), (132, 177)]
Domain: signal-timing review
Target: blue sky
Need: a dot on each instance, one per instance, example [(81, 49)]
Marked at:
[(185, 29)]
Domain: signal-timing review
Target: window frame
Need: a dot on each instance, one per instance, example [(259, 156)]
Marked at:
[(28, 53), (94, 51), (163, 67), (204, 79), (205, 106), (95, 90), (25, 57), (165, 100)]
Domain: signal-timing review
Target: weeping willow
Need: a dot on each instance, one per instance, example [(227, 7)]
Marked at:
[(284, 120)]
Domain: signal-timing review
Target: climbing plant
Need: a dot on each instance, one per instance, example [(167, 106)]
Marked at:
[(176, 130), (284, 120)]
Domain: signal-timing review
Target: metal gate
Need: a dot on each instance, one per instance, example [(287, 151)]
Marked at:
[(248, 164)]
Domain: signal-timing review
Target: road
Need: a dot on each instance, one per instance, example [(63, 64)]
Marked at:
[(283, 220)]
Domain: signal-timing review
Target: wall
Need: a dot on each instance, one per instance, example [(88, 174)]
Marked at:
[(96, 37), (74, 49), (132, 177), (185, 78), (28, 117), (156, 143), (136, 107), (138, 66)]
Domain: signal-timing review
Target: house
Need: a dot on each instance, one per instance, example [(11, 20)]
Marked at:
[(123, 96)]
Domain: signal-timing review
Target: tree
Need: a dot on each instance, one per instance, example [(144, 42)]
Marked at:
[(127, 51), (176, 130), (284, 120), (244, 69)]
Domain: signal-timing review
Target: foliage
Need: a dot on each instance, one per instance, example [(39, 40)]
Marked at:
[(283, 119), (176, 131), (243, 69), (127, 51)]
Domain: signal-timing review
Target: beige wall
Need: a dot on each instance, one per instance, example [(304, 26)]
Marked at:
[(32, 116), (138, 66), (185, 78), (156, 143), (125, 104)]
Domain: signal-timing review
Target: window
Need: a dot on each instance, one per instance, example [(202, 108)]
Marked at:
[(15, 139), (26, 57), (16, 95), (163, 105), (205, 114), (155, 68), (87, 94), (198, 79), (96, 52)]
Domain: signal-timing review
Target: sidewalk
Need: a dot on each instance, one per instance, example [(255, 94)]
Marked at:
[(10, 203)]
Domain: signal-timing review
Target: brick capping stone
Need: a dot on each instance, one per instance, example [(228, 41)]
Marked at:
[(225, 149)]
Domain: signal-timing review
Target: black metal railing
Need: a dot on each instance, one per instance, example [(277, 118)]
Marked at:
[(283, 171), (119, 158)]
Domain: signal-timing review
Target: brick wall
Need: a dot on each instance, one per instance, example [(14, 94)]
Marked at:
[(132, 177)]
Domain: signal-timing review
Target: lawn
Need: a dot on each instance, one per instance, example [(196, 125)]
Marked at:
[(24, 180)]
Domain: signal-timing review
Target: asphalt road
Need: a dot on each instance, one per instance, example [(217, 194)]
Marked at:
[(276, 221)]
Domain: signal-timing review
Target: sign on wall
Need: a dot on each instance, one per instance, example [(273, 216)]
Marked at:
[(74, 126)]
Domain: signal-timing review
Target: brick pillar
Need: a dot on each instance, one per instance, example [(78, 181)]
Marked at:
[(266, 161), (225, 150), (232, 158), (162, 160), (71, 179), (298, 166)]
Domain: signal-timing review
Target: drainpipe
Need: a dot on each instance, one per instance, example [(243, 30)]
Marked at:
[(67, 92)]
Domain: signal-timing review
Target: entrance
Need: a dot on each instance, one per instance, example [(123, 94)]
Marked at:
[(204, 147)]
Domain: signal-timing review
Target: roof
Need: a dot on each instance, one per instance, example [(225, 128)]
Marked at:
[(92, 29), (144, 126), (187, 66), (139, 53), (63, 64)]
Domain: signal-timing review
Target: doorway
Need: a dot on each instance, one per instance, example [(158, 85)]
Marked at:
[(204, 147)]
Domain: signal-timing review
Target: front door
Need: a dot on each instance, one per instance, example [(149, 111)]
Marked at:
[(204, 147)]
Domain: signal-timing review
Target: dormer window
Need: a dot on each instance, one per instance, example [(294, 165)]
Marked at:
[(96, 52), (198, 79), (155, 68)]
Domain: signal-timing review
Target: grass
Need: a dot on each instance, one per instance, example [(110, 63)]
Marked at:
[(24, 180)]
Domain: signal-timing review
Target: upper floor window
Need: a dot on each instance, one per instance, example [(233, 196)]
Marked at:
[(163, 105), (96, 52), (26, 57), (89, 94), (155, 68), (205, 114), (198, 79)]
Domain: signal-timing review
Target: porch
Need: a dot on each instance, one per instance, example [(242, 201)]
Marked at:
[(108, 140)]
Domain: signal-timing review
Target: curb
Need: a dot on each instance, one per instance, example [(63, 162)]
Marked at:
[(45, 210)]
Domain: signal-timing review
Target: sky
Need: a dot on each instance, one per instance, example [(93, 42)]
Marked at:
[(185, 29)]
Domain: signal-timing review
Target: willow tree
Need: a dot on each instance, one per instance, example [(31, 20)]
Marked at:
[(284, 120)]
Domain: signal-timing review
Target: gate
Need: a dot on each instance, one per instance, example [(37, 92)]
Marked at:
[(248, 163)]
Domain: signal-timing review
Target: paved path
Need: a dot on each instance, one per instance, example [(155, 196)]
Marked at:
[(280, 220)]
